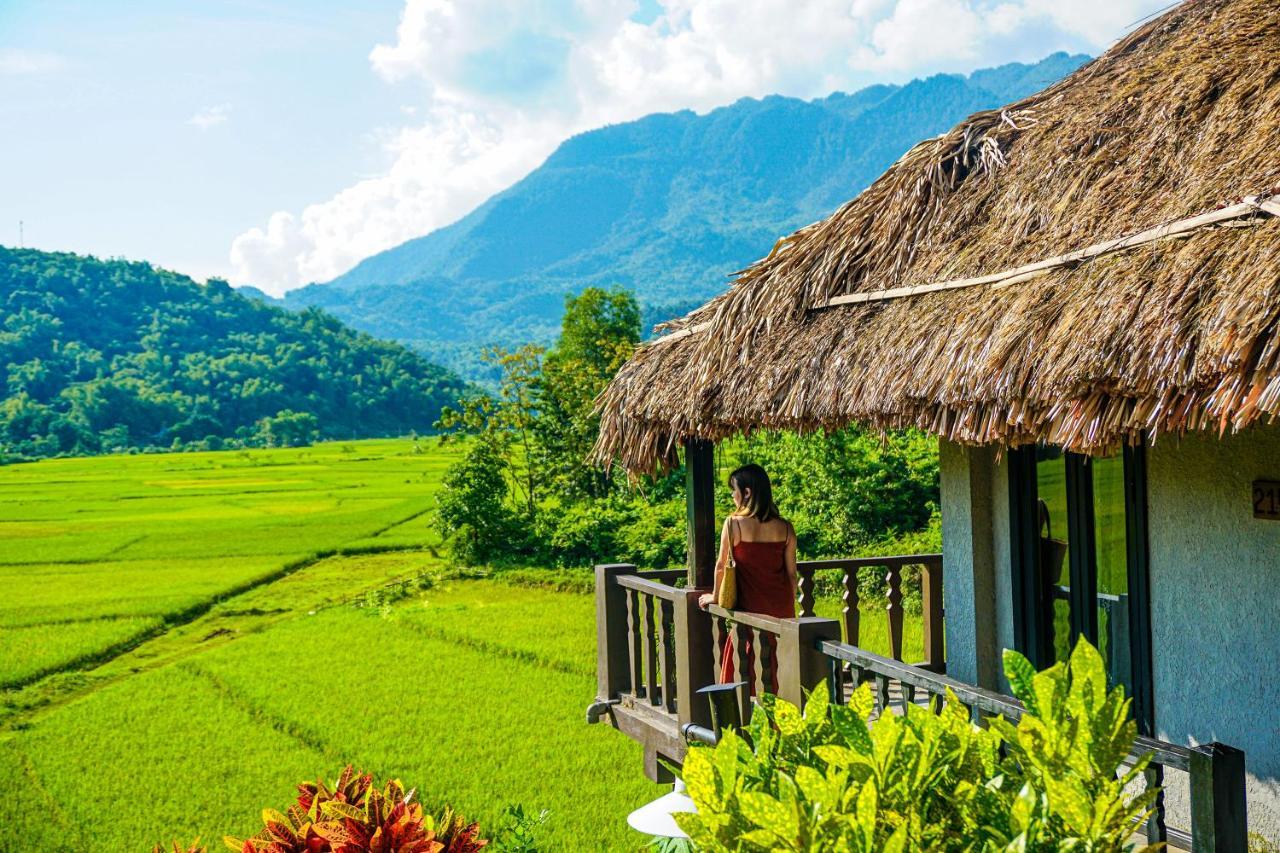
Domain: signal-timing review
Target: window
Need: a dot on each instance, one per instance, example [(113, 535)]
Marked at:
[(1079, 568)]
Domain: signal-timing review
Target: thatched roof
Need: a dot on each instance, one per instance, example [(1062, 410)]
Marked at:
[(1180, 118)]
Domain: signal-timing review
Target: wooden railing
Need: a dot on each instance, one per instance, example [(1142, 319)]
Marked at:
[(755, 650), (653, 655), (1216, 773), (850, 618), (657, 649)]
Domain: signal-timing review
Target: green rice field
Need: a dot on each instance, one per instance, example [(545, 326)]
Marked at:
[(184, 637)]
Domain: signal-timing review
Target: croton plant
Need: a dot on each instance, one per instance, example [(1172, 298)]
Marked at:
[(355, 816)]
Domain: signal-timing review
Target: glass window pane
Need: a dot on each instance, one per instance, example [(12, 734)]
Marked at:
[(1061, 629), (1112, 565), (1108, 524), (1051, 487)]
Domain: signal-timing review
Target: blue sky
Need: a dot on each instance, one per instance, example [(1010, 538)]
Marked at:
[(278, 143), (102, 148)]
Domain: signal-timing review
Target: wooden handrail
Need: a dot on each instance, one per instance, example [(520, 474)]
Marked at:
[(930, 598), (898, 560), (650, 587), (990, 702), (759, 621), (667, 576)]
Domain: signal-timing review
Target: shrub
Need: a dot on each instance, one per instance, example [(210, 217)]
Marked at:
[(357, 817), (830, 780), (580, 534), (472, 507), (849, 488), (576, 581), (656, 538)]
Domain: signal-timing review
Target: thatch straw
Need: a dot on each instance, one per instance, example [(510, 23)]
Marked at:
[(1180, 118)]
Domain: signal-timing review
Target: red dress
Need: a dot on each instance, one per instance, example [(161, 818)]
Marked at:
[(763, 587)]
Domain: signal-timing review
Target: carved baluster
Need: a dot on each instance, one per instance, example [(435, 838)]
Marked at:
[(668, 639), (650, 651), (741, 669), (835, 682), (894, 577), (806, 592), (908, 695), (759, 645), (1157, 831), (634, 645), (850, 612), (718, 635), (882, 693)]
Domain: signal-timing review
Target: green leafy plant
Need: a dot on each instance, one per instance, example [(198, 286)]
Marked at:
[(829, 779), (355, 816), (517, 832)]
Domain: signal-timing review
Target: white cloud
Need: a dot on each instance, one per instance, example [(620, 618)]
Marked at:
[(440, 170), (210, 116), (503, 83), (18, 61)]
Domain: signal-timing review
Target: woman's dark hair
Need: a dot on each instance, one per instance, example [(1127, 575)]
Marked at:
[(759, 504)]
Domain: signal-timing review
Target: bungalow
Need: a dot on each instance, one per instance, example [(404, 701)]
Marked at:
[(1079, 294)]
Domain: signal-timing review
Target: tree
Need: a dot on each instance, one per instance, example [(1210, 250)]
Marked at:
[(288, 429), (600, 331), (472, 507)]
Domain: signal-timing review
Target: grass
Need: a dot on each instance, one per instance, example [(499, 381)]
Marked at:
[(187, 636), (164, 535), (29, 651), (207, 742), (190, 635)]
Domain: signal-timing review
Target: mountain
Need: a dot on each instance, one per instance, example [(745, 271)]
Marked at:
[(97, 356), (668, 206)]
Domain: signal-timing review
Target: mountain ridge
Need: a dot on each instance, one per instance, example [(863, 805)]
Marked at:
[(668, 205)]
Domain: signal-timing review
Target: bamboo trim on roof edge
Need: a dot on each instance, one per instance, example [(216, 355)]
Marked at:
[(1251, 206)]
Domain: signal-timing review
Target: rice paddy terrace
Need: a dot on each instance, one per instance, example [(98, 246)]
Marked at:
[(184, 637)]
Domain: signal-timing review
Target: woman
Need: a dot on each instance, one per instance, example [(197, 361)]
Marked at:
[(763, 545)]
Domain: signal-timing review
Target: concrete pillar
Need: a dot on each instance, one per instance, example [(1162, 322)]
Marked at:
[(968, 563)]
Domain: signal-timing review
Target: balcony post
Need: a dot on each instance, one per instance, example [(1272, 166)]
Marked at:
[(612, 655), (1219, 821), (931, 606), (693, 660), (700, 500), (801, 667)]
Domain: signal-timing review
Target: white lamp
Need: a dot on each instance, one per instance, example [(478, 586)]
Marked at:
[(655, 818)]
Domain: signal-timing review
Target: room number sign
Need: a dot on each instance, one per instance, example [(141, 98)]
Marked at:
[(1266, 499)]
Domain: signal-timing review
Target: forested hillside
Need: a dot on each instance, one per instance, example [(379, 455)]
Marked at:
[(667, 206), (98, 356)]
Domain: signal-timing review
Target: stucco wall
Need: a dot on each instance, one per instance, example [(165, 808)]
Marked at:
[(1215, 608)]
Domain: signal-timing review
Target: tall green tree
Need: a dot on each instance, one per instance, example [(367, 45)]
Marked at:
[(600, 331)]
